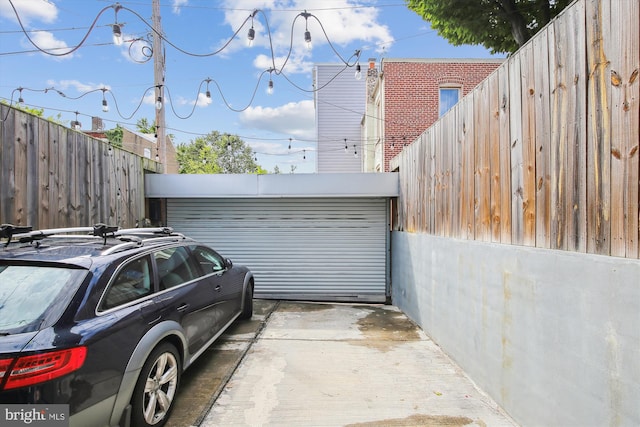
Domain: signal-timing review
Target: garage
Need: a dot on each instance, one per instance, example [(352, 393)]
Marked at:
[(321, 237)]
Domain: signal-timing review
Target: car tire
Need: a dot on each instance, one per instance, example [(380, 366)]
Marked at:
[(156, 388), (247, 307)]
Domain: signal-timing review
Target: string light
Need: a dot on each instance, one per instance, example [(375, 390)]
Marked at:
[(270, 85), (252, 33), (117, 35), (20, 99), (208, 93), (76, 124), (117, 30), (358, 74), (105, 106), (307, 33)]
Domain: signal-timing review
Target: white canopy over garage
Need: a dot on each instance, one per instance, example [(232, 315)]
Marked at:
[(305, 236)]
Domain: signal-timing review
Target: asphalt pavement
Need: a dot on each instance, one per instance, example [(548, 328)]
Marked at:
[(322, 364)]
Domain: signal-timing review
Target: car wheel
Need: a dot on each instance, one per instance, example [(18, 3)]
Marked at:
[(247, 308), (156, 387)]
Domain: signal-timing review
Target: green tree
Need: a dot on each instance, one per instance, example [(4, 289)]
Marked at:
[(217, 153), (115, 135), (498, 25), (144, 126)]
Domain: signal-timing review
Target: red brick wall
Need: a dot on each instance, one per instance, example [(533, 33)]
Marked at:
[(411, 96)]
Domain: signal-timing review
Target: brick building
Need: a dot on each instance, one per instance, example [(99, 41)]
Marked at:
[(138, 143), (406, 96)]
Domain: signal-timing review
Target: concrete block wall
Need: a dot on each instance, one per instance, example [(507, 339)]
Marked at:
[(552, 336)]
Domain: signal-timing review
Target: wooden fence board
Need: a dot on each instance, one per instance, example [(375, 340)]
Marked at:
[(32, 175), (455, 137), (43, 193), (542, 138), (467, 199), (516, 139), (599, 130), (575, 79), (495, 158), (20, 170), (482, 164), (622, 53), (505, 154), (558, 152), (527, 172)]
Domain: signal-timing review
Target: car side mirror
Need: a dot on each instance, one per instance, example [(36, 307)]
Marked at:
[(228, 263)]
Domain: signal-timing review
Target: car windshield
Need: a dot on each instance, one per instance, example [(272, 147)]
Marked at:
[(27, 292)]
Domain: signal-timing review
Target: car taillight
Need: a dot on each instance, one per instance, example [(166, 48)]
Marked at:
[(38, 368)]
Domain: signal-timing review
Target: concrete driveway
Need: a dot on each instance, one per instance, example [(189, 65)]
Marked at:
[(306, 364)]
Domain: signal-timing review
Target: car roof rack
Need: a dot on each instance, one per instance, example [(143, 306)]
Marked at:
[(8, 230), (26, 234)]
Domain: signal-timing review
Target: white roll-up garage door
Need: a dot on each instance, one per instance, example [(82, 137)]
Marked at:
[(298, 248)]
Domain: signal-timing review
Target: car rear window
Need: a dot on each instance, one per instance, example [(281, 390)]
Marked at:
[(27, 293)]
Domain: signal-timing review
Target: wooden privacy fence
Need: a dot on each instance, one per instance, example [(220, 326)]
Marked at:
[(544, 152), (52, 176)]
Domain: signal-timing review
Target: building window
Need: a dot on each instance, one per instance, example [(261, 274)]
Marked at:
[(449, 96)]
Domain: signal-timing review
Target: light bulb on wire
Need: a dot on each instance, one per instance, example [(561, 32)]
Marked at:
[(159, 103), (117, 35), (270, 87), (307, 39), (105, 106), (251, 36), (307, 33), (358, 74)]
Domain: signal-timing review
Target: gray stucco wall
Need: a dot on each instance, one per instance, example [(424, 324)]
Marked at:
[(553, 337)]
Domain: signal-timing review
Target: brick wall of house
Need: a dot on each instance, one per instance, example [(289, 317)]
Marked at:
[(411, 95)]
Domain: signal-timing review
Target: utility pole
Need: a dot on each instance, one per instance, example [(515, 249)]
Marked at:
[(158, 79)]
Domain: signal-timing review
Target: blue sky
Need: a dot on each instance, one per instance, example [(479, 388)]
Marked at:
[(195, 29)]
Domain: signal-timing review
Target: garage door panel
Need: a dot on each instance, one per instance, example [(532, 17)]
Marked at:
[(331, 249)]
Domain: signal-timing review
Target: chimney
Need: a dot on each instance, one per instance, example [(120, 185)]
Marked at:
[(372, 76), (96, 124)]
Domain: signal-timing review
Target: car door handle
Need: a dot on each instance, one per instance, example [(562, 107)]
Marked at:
[(218, 288), (183, 307)]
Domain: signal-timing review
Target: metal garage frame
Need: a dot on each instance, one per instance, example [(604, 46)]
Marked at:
[(321, 237)]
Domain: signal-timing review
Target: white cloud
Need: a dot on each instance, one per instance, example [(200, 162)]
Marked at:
[(200, 101), (344, 21), (177, 4), (46, 41), (79, 86), (294, 118), (29, 10), (293, 66), (149, 98)]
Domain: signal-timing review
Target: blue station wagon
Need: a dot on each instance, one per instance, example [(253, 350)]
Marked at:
[(106, 320)]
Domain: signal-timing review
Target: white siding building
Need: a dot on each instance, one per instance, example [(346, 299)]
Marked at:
[(340, 104)]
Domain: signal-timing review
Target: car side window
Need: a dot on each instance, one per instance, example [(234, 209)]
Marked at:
[(174, 267), (210, 261), (133, 281)]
